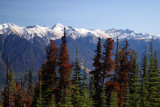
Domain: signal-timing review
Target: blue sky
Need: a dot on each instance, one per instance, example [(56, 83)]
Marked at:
[(139, 15)]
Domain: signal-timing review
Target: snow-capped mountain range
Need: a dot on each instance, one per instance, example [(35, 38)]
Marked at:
[(25, 46), (56, 32)]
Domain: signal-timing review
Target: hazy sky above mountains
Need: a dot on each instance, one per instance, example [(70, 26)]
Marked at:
[(139, 15)]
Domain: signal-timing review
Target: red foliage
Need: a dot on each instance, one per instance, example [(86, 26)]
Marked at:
[(125, 59), (110, 85), (8, 97), (65, 68), (108, 63), (20, 95)]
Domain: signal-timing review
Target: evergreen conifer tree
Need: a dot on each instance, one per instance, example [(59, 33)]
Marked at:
[(13, 84), (134, 84), (12, 88), (92, 90), (30, 90), (97, 72), (153, 79), (144, 83), (87, 100), (76, 73), (77, 98)]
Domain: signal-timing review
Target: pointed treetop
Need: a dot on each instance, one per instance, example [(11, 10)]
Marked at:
[(85, 68), (76, 52), (64, 40), (8, 64)]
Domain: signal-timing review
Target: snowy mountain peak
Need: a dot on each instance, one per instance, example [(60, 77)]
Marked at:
[(10, 27), (58, 27), (7, 25)]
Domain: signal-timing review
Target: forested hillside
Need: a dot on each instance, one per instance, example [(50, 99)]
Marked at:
[(116, 80)]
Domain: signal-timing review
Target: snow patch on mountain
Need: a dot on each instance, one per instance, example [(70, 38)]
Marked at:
[(6, 27)]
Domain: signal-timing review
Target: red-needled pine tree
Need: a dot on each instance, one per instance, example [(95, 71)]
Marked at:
[(108, 63), (125, 61), (49, 73), (65, 70)]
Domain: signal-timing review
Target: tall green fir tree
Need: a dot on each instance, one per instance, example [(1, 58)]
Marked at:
[(77, 97), (30, 90), (153, 79), (144, 83), (97, 72), (92, 92), (87, 100), (12, 88), (13, 84), (134, 84), (39, 99)]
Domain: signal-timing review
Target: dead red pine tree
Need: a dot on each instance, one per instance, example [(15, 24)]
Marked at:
[(49, 73), (65, 69), (124, 61), (108, 63), (49, 68)]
